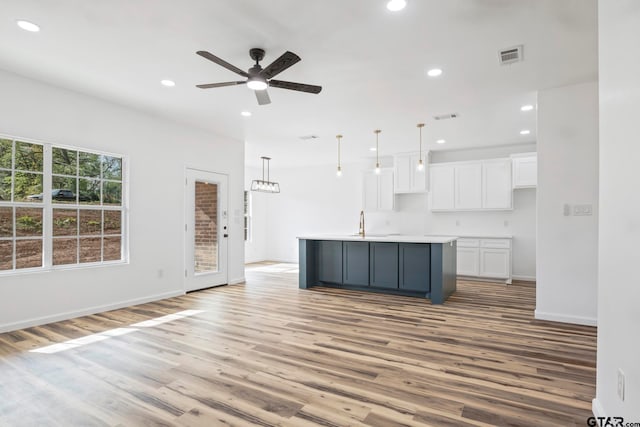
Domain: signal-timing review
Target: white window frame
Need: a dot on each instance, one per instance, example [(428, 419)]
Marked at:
[(48, 205)]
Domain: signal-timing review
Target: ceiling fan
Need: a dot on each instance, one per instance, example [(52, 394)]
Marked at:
[(259, 78)]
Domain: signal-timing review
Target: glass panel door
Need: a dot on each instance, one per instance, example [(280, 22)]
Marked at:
[(205, 230)]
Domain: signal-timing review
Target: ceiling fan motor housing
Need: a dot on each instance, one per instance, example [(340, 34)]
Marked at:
[(256, 54)]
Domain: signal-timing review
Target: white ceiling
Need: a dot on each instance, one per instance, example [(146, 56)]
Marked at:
[(371, 63)]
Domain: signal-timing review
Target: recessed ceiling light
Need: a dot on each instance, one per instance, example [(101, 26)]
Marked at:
[(246, 113), (440, 141), (28, 26), (396, 5), (372, 149), (527, 107), (525, 132), (434, 72), (168, 83)]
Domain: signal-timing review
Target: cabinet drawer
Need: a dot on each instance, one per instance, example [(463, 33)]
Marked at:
[(468, 243), (495, 243)]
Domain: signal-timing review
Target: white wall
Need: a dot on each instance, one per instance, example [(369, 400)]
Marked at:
[(255, 249), (314, 201), (567, 254), (158, 151), (619, 257)]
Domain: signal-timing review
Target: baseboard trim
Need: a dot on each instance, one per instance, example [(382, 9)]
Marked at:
[(556, 317), (237, 280), (597, 409), (37, 321), (524, 278)]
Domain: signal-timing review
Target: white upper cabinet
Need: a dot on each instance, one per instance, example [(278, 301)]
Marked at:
[(408, 179), (468, 186), (442, 186), (525, 170), (378, 192), (496, 184)]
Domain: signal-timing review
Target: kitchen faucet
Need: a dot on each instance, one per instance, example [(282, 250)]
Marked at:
[(361, 227)]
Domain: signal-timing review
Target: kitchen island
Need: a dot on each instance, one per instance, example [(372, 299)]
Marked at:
[(420, 266)]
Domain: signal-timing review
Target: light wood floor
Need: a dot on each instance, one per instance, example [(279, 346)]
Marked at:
[(266, 353)]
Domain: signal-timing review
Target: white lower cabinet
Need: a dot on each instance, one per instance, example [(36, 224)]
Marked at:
[(484, 257), (468, 261), (495, 263)]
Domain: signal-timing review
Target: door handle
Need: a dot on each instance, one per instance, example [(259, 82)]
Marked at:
[(225, 235)]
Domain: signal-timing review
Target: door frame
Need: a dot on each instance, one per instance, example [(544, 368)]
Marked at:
[(223, 229)]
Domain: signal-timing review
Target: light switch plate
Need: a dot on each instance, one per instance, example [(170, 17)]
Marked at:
[(583, 210)]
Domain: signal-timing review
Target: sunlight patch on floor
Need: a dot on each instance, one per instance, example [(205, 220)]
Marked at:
[(93, 338)]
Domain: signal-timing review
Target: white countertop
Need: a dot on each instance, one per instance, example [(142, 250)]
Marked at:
[(399, 238), (485, 236)]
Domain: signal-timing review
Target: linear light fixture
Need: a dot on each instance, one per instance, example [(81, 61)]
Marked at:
[(262, 185)]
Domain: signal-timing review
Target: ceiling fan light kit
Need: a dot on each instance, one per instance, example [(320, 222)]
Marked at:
[(259, 79)]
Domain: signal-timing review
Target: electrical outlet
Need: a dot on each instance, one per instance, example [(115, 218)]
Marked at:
[(566, 210), (621, 384), (160, 273), (457, 223)]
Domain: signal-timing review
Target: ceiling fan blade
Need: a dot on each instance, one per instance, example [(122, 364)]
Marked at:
[(285, 61), (212, 85), (222, 62), (263, 97), (300, 87)]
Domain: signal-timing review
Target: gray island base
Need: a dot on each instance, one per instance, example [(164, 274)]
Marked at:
[(419, 266)]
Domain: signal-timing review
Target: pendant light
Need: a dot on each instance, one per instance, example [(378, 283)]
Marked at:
[(339, 170), (377, 169), (262, 185), (420, 163)]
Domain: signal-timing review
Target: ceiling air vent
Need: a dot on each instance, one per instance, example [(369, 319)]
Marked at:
[(446, 116), (309, 137), (511, 55)]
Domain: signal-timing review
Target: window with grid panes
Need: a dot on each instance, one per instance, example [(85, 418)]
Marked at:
[(59, 206)]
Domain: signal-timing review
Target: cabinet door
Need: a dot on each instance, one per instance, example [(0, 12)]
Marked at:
[(496, 184), (468, 186), (419, 178), (329, 261), (383, 265), (386, 196), (415, 262), (468, 259), (525, 172), (442, 187), (495, 263), (370, 192), (356, 263), (403, 173)]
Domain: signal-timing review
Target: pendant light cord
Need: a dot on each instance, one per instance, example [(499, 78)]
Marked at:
[(377, 132)]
